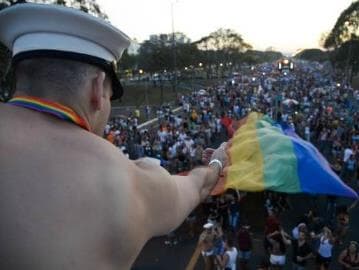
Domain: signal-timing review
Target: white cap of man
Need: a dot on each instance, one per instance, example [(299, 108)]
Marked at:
[(68, 34)]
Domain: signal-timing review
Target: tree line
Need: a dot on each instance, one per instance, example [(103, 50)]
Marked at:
[(221, 49), (341, 43)]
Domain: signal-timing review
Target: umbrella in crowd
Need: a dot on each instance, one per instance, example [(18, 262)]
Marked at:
[(202, 92), (290, 101)]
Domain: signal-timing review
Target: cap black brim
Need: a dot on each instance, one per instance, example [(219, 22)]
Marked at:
[(117, 89)]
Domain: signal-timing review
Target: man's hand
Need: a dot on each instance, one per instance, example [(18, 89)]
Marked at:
[(206, 156), (221, 154)]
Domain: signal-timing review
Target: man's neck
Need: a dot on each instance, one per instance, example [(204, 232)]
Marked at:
[(79, 110)]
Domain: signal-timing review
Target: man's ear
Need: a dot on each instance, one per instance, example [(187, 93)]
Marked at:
[(97, 91)]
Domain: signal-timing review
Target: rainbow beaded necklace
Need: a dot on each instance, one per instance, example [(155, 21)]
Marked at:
[(50, 107)]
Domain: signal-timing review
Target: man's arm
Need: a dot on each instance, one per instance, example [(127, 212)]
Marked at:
[(167, 200)]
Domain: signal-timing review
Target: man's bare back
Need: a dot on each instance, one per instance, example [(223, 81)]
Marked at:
[(63, 195), (71, 200), (68, 198)]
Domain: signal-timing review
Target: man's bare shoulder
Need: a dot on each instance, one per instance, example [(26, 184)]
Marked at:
[(23, 125), (100, 147)]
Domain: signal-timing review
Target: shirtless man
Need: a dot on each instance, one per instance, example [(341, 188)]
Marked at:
[(68, 198)]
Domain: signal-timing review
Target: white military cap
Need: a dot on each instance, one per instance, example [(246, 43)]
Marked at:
[(40, 30)]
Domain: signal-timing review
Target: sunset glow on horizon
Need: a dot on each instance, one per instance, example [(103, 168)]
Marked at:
[(286, 25)]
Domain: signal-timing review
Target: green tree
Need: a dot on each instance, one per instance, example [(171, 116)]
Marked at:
[(345, 28), (222, 46), (157, 53), (155, 56), (346, 57), (128, 61), (226, 40), (187, 55), (255, 57), (343, 40), (313, 55)]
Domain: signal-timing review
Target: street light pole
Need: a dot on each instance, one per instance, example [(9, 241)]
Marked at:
[(174, 49)]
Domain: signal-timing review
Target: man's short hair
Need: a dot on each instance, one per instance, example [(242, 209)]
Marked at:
[(52, 76)]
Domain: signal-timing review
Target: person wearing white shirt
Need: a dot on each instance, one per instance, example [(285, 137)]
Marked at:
[(182, 136), (230, 256), (347, 153), (163, 135), (189, 142), (325, 249), (178, 120)]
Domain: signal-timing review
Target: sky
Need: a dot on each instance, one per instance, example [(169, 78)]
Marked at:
[(286, 25)]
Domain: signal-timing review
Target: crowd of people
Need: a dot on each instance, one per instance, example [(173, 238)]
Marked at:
[(317, 105)]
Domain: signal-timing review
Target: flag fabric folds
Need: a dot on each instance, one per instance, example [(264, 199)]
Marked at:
[(264, 155)]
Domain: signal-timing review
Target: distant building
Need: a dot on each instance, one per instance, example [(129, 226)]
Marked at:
[(167, 39), (181, 38)]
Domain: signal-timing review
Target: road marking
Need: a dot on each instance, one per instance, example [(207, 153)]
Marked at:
[(194, 259)]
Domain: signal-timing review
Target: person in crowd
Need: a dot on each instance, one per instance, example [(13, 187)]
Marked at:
[(302, 251), (315, 221), (268, 205), (218, 243), (278, 240), (234, 212), (206, 243), (325, 249), (349, 170), (230, 256), (244, 241), (301, 227), (272, 225), (343, 220), (349, 257), (223, 211)]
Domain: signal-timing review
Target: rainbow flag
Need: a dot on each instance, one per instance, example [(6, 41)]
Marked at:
[(266, 156)]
